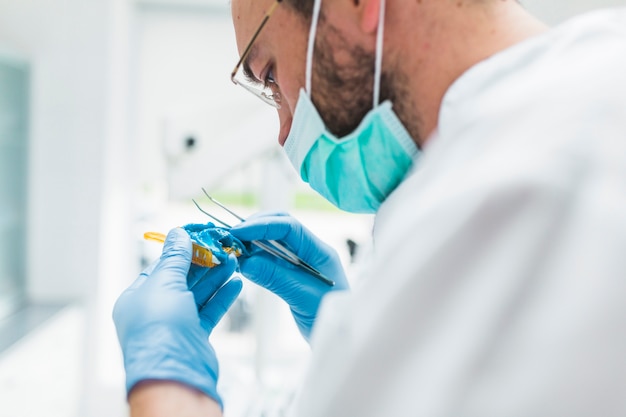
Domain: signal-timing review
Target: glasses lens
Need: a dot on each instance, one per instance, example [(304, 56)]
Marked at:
[(268, 92)]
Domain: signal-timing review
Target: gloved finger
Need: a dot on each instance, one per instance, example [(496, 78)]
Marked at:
[(196, 273), (138, 282), (175, 260), (289, 231), (269, 213), (208, 285), (148, 270), (143, 276), (270, 273), (213, 311), (299, 289), (262, 228), (285, 228), (119, 310), (256, 218), (124, 301)]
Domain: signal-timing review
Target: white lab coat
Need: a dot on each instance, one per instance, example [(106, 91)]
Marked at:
[(498, 284)]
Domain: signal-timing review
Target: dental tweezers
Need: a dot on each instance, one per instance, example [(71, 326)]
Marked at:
[(273, 247)]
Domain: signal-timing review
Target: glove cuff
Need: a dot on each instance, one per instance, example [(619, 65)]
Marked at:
[(190, 362)]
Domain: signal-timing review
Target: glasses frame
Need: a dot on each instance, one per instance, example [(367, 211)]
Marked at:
[(267, 99)]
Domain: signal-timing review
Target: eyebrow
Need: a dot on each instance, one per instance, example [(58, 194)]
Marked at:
[(247, 71)]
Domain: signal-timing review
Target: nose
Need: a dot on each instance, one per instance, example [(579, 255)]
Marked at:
[(285, 118)]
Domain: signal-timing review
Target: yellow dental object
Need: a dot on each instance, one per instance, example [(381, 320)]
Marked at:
[(200, 255)]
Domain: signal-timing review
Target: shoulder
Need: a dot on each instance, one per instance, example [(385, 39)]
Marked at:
[(557, 76), (538, 113)]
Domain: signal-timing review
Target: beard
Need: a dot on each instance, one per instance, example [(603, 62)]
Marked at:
[(343, 91)]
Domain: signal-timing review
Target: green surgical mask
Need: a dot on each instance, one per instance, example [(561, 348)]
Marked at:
[(358, 171)]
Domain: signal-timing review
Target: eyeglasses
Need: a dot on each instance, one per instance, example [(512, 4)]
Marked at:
[(267, 89)]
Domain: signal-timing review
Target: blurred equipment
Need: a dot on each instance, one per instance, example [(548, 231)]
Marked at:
[(14, 80), (353, 247)]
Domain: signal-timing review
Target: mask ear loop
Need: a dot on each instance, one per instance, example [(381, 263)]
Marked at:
[(379, 53), (311, 46)]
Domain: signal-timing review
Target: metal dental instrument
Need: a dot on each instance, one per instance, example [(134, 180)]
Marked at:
[(272, 247), (276, 244)]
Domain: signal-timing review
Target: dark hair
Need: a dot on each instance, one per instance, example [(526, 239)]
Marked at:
[(303, 7)]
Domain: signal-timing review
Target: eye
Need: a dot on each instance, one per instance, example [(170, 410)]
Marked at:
[(270, 85), (269, 81)]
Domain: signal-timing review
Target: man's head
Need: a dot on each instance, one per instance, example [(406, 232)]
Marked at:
[(427, 45)]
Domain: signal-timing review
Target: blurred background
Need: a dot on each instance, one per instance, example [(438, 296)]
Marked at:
[(113, 115)]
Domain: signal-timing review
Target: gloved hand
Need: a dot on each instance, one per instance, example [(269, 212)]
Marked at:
[(301, 290), (163, 327)]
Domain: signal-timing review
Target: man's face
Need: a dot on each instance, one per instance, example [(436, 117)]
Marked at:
[(279, 51), (343, 63)]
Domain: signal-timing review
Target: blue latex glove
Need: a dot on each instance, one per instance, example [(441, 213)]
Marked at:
[(163, 327), (301, 290)]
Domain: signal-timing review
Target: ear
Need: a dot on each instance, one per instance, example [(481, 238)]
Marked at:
[(369, 18)]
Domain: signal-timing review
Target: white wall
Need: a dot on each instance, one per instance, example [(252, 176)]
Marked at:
[(183, 89), (75, 93), (14, 76), (80, 242)]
